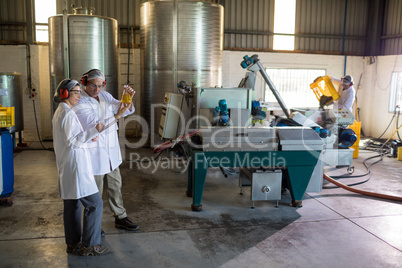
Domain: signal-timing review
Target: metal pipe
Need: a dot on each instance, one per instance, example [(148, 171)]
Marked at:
[(65, 44), (295, 35), (343, 37), (392, 36), (273, 89), (344, 27), (128, 41), (30, 19), (174, 40)]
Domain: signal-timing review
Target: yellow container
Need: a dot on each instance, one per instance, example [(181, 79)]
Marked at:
[(325, 86), (126, 98), (7, 117), (399, 153), (356, 127)]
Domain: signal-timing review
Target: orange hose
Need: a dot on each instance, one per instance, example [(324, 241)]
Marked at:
[(377, 195)]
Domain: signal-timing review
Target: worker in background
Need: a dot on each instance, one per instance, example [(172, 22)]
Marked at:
[(97, 105), (77, 186), (346, 92)]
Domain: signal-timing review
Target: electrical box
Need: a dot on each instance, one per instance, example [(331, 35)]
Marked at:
[(265, 184), (171, 111), (341, 116)]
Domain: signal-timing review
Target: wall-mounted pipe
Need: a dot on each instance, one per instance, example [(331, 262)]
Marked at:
[(343, 37), (128, 42)]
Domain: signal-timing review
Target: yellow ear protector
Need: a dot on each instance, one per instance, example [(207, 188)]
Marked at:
[(84, 79)]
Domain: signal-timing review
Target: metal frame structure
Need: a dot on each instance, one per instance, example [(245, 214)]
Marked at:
[(362, 28)]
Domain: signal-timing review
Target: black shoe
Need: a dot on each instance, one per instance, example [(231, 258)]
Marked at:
[(103, 234), (74, 248), (126, 223)]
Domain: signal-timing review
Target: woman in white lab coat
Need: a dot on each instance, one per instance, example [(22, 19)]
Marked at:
[(77, 186)]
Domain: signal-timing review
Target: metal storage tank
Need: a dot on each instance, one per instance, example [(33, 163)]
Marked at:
[(11, 96), (180, 41), (90, 41)]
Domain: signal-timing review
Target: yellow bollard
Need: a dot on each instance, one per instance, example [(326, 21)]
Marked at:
[(356, 127)]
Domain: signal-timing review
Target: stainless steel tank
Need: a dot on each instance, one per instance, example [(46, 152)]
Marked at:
[(11, 96), (90, 42), (180, 41)]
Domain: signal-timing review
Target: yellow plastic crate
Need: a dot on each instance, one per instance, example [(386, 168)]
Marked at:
[(325, 86), (356, 127), (7, 117)]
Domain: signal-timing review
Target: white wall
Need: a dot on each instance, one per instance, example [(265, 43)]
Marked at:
[(374, 95), (373, 92)]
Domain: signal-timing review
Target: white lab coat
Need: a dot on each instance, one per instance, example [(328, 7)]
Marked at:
[(346, 99), (76, 179), (105, 153)]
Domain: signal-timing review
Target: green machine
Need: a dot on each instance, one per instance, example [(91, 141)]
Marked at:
[(292, 150)]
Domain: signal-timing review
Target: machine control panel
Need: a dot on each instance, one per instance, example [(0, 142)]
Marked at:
[(341, 116), (170, 115)]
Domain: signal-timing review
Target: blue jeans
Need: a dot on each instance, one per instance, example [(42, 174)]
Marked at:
[(91, 232)]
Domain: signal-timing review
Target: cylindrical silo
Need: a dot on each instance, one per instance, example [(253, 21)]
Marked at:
[(11, 96), (84, 42), (180, 41)]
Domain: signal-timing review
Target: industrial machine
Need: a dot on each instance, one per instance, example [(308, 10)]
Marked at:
[(332, 125), (222, 117), (395, 148), (288, 154), (7, 121), (253, 65)]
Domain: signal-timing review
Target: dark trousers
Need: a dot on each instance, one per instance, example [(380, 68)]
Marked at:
[(93, 206)]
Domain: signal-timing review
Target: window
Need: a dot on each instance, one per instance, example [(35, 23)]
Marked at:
[(284, 23), (43, 10), (395, 96), (294, 86)]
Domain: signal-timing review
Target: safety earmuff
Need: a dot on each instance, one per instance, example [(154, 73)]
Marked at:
[(64, 93), (84, 79)]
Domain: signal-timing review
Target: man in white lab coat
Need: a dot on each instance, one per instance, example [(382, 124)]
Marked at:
[(77, 185), (97, 105)]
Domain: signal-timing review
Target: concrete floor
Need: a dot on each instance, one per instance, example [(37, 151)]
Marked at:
[(334, 228)]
